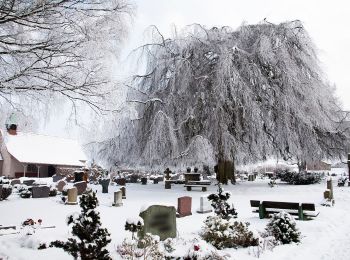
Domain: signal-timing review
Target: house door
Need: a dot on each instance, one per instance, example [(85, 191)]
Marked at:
[(51, 170)]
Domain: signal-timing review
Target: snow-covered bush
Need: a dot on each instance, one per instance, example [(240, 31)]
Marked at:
[(53, 191), (25, 194), (299, 178), (220, 205), (283, 227), (89, 239), (134, 225), (4, 180), (6, 191), (223, 233)]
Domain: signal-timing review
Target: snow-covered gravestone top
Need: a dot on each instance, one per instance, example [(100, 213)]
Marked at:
[(159, 220), (204, 205), (72, 196), (118, 199)]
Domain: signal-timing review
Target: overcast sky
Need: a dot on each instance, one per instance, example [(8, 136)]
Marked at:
[(328, 23)]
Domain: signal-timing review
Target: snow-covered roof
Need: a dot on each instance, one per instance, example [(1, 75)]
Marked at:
[(43, 149)]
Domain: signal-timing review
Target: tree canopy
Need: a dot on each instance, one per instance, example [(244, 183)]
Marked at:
[(243, 95)]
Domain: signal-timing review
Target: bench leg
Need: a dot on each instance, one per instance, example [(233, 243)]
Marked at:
[(188, 188), (300, 213), (204, 188), (261, 211)]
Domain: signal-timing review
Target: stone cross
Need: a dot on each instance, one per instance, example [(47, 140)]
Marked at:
[(204, 205), (72, 196), (118, 199), (167, 173), (184, 206)]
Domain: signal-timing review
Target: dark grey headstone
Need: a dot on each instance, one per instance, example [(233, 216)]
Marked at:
[(144, 180), (121, 181), (28, 182), (15, 181), (159, 220), (81, 186), (78, 177), (105, 184), (40, 192), (56, 177)]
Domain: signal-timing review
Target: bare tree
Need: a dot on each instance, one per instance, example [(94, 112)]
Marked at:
[(50, 47), (242, 95)]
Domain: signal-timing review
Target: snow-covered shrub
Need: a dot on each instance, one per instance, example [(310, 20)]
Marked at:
[(53, 191), (4, 180), (21, 187), (134, 225), (25, 194), (89, 239), (342, 181), (299, 178), (6, 191), (223, 233), (220, 205), (283, 227)]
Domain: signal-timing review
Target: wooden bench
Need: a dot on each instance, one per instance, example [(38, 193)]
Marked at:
[(304, 211), (189, 187)]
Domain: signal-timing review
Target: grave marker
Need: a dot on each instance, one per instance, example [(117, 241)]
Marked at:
[(184, 206), (57, 177), (204, 205), (118, 199), (105, 184), (15, 181), (123, 190), (40, 192), (159, 220), (60, 185), (72, 196), (81, 187)]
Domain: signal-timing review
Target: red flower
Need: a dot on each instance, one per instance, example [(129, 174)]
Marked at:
[(196, 247)]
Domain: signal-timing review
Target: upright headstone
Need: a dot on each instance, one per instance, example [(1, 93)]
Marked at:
[(184, 206), (105, 184), (144, 180), (78, 176), (40, 192), (167, 183), (81, 187), (15, 181), (57, 177), (72, 196), (123, 190), (204, 205), (330, 188), (118, 199), (159, 220), (120, 181), (60, 185), (0, 191)]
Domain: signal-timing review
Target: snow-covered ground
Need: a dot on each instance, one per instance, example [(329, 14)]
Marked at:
[(326, 237)]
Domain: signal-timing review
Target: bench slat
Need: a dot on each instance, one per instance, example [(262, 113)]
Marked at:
[(281, 205)]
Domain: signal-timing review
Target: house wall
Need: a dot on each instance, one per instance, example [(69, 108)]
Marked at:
[(6, 165), (16, 166)]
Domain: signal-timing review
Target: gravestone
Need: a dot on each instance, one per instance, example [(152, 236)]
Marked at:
[(81, 187), (60, 185), (40, 192), (28, 182), (167, 184), (0, 191), (144, 180), (184, 206), (330, 188), (251, 177), (57, 177), (155, 181), (15, 181), (123, 190), (105, 184), (72, 196), (167, 173), (78, 176), (121, 181), (118, 199), (204, 205), (159, 220)]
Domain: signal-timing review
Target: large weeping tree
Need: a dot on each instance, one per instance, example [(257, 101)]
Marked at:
[(219, 94), (58, 48)]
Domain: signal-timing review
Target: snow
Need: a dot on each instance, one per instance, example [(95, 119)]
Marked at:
[(325, 237), (48, 149)]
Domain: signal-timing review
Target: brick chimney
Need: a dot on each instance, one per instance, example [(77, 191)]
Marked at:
[(12, 129)]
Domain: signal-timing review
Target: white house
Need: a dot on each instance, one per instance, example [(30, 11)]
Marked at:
[(34, 155)]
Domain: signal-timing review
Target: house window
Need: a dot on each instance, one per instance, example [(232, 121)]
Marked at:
[(32, 168)]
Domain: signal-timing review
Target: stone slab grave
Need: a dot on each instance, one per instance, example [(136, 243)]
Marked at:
[(104, 183), (204, 205), (60, 185), (57, 177), (118, 199), (72, 196), (81, 187), (40, 192), (28, 182), (184, 206), (15, 181), (159, 220), (123, 190)]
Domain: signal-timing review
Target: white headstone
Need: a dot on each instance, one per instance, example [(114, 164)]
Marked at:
[(118, 198), (204, 205)]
